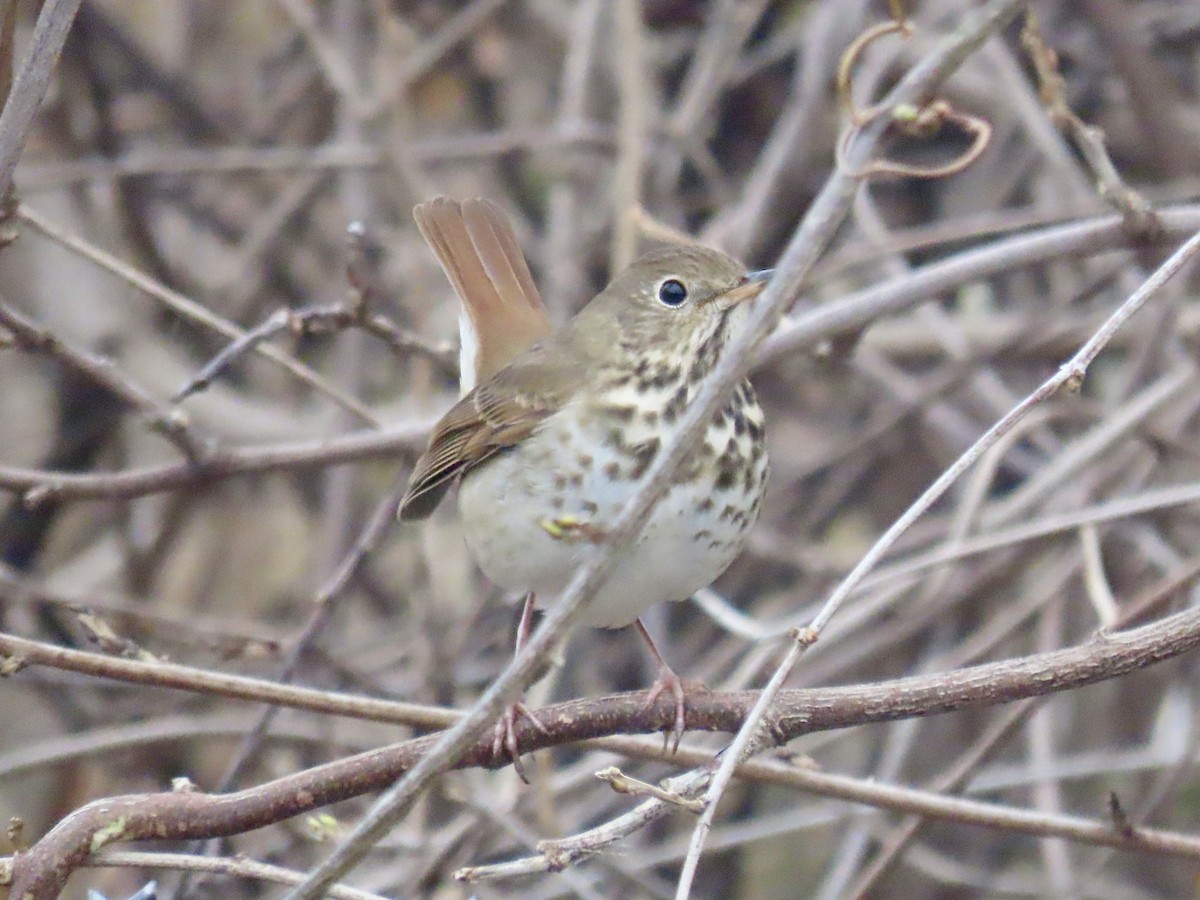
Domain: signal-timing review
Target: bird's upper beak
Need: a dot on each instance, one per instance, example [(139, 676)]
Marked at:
[(749, 288)]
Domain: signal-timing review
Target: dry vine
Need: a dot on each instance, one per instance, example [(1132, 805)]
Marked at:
[(207, 581)]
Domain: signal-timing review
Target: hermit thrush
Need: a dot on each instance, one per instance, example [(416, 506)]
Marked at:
[(559, 429)]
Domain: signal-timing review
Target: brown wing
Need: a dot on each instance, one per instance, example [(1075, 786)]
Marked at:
[(479, 252), (498, 414)]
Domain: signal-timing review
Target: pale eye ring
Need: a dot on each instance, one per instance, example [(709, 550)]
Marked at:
[(672, 292)]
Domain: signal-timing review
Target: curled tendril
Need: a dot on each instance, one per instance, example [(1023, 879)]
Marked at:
[(918, 122), (845, 72), (922, 122)]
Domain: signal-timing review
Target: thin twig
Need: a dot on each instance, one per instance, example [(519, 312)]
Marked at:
[(817, 230), (20, 652), (916, 87), (1139, 215), (190, 309), (325, 604), (745, 745), (184, 729), (172, 424), (30, 86), (955, 776), (235, 867), (556, 854), (1099, 591), (315, 320), (855, 311), (233, 160), (1070, 376), (40, 871), (8, 33), (38, 486), (634, 787), (801, 332), (632, 84)]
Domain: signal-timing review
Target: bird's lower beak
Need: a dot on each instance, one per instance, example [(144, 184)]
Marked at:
[(752, 285)]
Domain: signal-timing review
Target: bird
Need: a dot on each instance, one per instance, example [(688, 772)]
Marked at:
[(557, 428)]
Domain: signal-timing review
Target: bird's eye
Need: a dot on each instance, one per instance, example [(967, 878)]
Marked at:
[(672, 292)]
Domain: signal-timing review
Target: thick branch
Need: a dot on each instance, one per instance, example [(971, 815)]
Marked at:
[(41, 871)]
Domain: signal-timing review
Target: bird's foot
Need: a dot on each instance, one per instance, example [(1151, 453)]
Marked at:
[(504, 735), (667, 680)]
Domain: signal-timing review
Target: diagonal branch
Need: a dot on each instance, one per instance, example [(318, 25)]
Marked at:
[(31, 83), (40, 872)]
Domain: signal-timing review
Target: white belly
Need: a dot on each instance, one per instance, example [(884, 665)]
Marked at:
[(531, 520)]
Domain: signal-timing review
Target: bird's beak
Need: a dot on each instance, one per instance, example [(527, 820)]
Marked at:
[(751, 286)]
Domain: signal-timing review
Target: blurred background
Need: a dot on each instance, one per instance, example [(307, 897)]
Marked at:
[(223, 149)]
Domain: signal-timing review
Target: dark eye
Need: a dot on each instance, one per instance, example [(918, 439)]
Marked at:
[(672, 292)]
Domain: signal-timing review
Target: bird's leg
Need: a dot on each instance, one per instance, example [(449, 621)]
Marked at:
[(504, 735), (667, 680)]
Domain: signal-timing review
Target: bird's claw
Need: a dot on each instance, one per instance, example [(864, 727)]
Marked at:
[(504, 735), (667, 680)]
